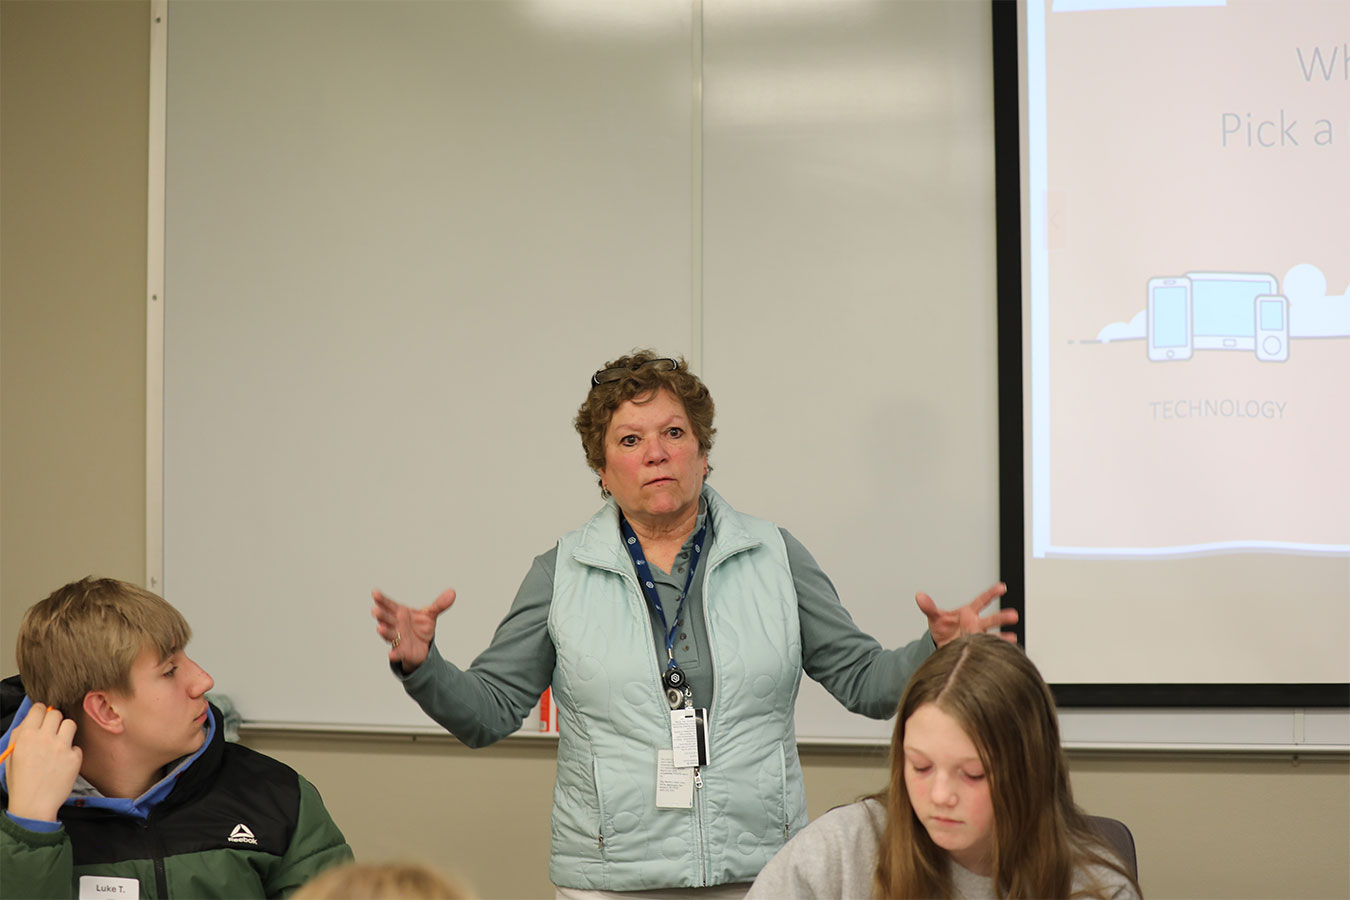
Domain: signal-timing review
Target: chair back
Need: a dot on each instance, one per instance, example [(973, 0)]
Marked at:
[(1118, 837)]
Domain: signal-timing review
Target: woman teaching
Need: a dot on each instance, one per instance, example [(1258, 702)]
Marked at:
[(673, 631)]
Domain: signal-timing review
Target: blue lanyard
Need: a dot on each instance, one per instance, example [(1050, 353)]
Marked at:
[(630, 540)]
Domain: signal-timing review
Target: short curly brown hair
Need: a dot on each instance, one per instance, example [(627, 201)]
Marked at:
[(643, 381)]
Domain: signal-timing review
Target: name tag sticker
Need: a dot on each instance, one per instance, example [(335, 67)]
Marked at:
[(106, 886), (674, 787), (689, 737)]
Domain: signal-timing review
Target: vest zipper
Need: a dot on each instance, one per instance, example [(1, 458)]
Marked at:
[(698, 822), (599, 808), (713, 563)]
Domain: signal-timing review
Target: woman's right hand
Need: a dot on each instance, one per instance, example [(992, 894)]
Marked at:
[(409, 631)]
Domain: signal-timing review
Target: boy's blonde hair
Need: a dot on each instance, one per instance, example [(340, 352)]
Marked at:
[(86, 636), (360, 881)]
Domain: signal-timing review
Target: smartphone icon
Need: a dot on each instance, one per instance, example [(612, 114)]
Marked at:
[(1272, 328), (1169, 319)]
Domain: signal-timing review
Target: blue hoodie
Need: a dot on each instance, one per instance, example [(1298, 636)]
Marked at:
[(85, 794)]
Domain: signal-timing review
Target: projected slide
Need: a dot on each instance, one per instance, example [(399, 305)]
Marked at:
[(1189, 308)]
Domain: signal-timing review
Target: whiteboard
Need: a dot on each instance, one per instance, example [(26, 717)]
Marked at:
[(396, 242), (400, 236)]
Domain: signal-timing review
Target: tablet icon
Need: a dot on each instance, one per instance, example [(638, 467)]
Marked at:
[(1222, 308)]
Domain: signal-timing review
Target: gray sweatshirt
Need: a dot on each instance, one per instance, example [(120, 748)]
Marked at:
[(836, 855)]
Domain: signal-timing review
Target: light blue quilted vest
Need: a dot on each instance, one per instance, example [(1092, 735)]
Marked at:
[(613, 718)]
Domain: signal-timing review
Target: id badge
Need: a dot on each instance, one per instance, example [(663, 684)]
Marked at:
[(689, 737), (106, 887), (674, 787)]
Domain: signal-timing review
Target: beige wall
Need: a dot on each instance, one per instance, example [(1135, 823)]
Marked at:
[(73, 86), (73, 145)]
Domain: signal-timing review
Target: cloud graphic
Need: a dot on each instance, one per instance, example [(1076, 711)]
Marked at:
[(1127, 331), (1312, 312)]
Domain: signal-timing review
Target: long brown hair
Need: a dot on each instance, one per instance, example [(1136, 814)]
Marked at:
[(1041, 839)]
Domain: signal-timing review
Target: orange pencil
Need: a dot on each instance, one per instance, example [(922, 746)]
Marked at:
[(10, 749)]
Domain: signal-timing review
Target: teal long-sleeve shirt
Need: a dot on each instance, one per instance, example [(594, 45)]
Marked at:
[(489, 700)]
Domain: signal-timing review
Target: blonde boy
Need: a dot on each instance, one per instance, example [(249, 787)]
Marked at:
[(121, 783)]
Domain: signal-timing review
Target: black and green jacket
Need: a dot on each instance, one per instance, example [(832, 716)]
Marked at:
[(231, 823)]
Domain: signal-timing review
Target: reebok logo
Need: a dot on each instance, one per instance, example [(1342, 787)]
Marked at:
[(241, 835)]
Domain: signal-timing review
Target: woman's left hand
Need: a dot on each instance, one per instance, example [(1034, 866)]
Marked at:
[(409, 631), (947, 625)]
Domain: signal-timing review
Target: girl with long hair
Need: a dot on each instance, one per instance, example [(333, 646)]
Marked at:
[(978, 804)]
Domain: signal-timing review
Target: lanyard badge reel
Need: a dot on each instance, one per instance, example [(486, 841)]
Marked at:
[(678, 692)]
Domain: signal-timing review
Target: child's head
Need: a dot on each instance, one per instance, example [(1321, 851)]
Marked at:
[(360, 880), (86, 637), (976, 766)]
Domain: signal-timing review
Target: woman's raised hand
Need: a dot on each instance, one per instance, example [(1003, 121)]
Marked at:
[(946, 625), (409, 631)]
